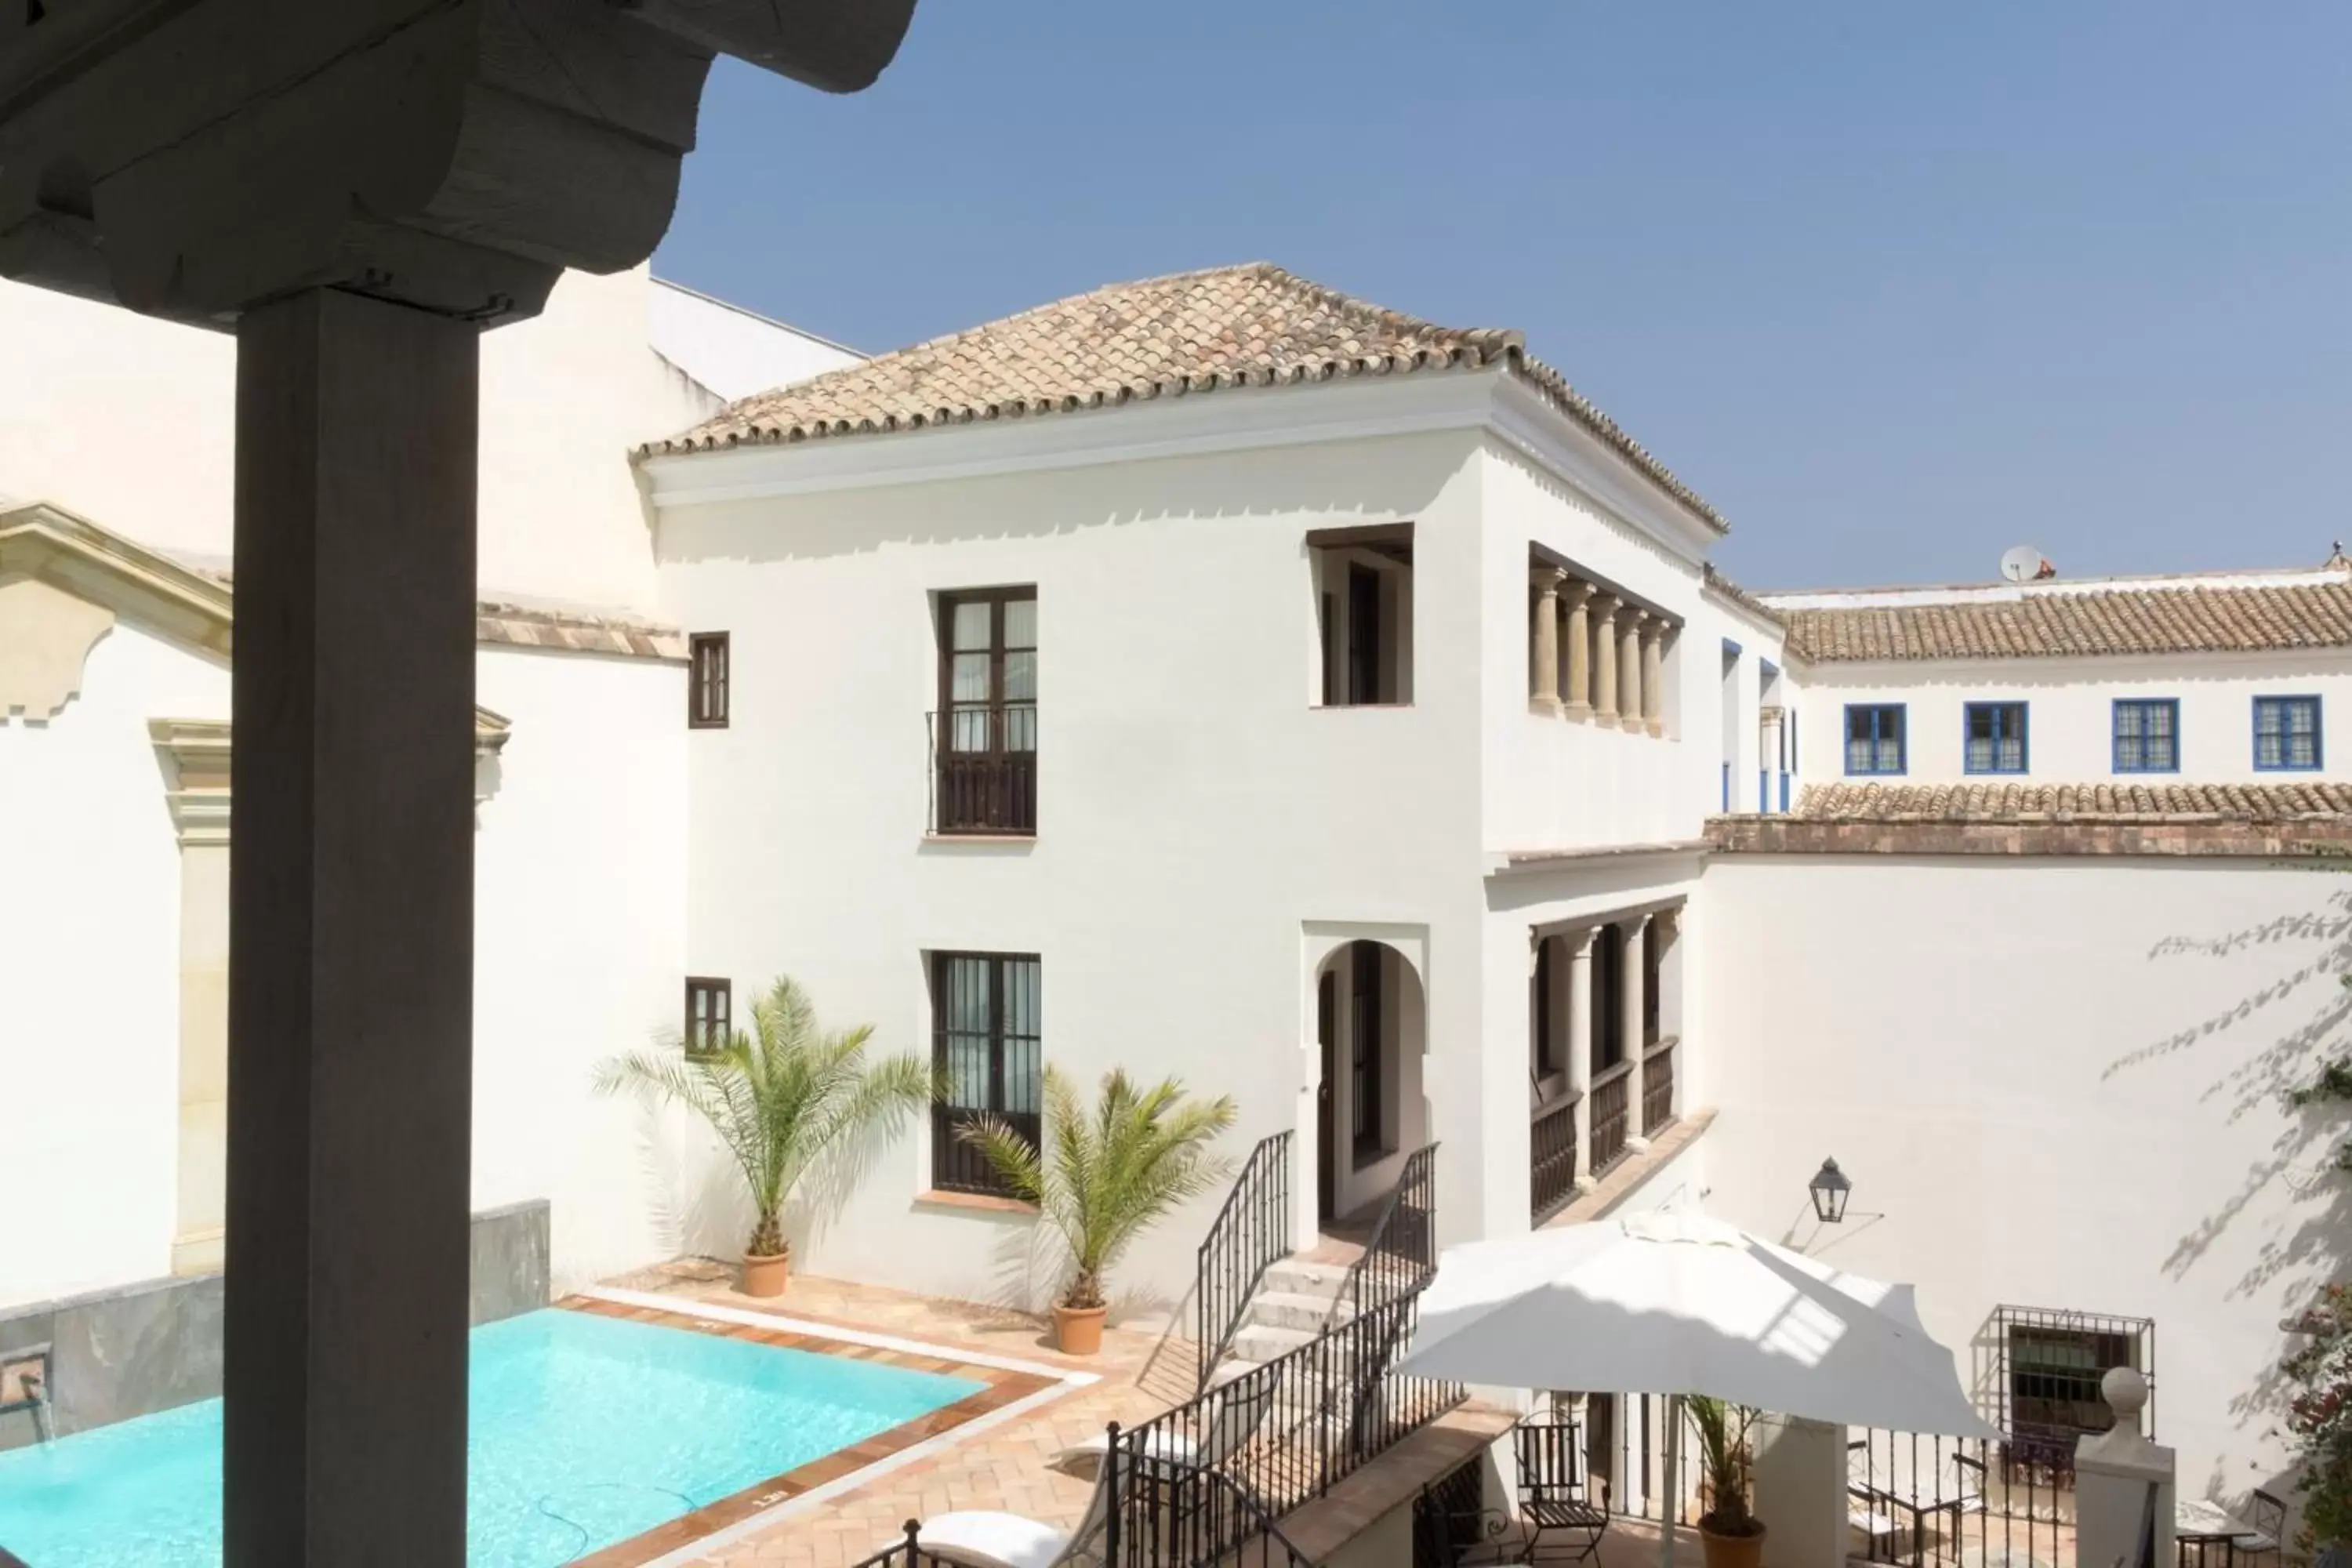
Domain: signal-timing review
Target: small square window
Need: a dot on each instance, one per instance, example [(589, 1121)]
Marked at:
[(709, 1009), (2147, 735), (2287, 734), (1995, 738), (1873, 738), (705, 693)]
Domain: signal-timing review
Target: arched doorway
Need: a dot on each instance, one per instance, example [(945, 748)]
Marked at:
[(1369, 1113)]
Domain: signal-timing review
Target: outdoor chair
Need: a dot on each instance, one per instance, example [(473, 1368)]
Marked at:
[(1460, 1533), (2267, 1514), (1555, 1498)]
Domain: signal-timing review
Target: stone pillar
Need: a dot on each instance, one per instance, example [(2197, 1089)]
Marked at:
[(352, 905), (1604, 658), (1653, 677), (1636, 987), (1579, 947), (1577, 700), (2119, 1476), (1629, 666), (1543, 655), (1800, 1481)]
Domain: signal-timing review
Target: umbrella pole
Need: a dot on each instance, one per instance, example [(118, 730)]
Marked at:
[(1673, 1510)]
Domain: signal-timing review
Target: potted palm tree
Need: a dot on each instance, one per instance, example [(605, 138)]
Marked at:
[(1106, 1176), (1729, 1535), (781, 1098)]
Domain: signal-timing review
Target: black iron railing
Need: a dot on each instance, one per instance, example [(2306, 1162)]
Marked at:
[(1400, 1254), (1552, 1160), (1251, 1231), (957, 1164), (984, 769), (1611, 1091), (1658, 1087), (1949, 1501)]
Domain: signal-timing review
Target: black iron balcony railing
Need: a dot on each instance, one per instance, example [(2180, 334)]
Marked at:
[(1251, 1231), (1658, 1087), (1552, 1160), (1612, 1090), (984, 769)]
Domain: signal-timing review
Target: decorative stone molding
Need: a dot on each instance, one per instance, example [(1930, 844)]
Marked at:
[(45, 643), (196, 757)]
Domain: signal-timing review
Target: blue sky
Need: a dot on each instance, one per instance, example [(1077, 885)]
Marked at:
[(1895, 286)]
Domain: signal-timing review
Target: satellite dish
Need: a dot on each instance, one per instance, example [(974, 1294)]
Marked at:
[(2022, 564)]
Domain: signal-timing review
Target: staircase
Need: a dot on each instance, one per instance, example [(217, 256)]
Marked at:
[(1297, 1298)]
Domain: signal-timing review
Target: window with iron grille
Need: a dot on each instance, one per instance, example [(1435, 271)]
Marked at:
[(986, 736), (1995, 738), (1873, 738), (2287, 734), (708, 655), (2147, 735), (988, 1047), (2051, 1366), (709, 1008)]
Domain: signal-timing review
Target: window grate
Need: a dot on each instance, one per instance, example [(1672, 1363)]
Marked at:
[(709, 656), (2147, 735), (709, 1014), (988, 1047), (2050, 1363)]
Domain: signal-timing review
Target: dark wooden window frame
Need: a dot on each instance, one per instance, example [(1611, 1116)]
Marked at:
[(700, 1019), (1002, 798), (1367, 1105), (710, 658), (957, 1166)]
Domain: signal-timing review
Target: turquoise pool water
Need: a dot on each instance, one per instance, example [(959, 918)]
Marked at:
[(583, 1431)]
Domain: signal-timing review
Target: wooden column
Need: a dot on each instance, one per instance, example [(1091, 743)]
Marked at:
[(1576, 700), (1635, 987), (1579, 944), (1543, 657), (350, 970), (1604, 658), (1654, 677)]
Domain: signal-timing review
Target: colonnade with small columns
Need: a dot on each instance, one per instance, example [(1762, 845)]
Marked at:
[(1595, 656), (1606, 1017)]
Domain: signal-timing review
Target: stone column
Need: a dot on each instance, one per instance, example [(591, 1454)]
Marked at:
[(2120, 1476), (351, 979), (1579, 946), (1604, 658), (1653, 677), (1544, 646), (1636, 987), (1577, 700), (1629, 666)]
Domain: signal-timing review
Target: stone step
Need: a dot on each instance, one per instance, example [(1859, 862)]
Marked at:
[(1298, 1276), (1295, 1310), (1264, 1343)]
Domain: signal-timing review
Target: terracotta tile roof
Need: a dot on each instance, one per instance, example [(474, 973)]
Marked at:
[(2041, 622), (1254, 325), (1739, 595), (568, 631), (2086, 803)]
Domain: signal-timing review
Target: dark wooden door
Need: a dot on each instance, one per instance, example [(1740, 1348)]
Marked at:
[(1326, 1018)]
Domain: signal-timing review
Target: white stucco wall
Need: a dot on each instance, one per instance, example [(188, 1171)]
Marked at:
[(580, 886), (2054, 1083), (2070, 725), (734, 351), (89, 966), (131, 421), (1197, 817)]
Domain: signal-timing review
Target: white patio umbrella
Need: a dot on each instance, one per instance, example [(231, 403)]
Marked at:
[(1676, 1304), (1679, 1304)]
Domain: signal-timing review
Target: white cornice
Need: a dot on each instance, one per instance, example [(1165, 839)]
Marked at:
[(1598, 474), (1356, 410)]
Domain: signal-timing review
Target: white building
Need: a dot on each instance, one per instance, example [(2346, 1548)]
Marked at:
[(1222, 676)]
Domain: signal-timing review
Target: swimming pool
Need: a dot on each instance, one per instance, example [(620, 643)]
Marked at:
[(584, 1430)]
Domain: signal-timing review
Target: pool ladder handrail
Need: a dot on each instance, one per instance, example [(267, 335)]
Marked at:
[(29, 1366)]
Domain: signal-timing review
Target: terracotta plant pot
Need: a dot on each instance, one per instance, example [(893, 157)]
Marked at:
[(764, 1272), (1731, 1550), (1078, 1331)]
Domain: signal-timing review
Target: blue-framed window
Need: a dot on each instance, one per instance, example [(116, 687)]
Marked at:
[(1993, 738), (2147, 735), (1873, 738), (2287, 734)]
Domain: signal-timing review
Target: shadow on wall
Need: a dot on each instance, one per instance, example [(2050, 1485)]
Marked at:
[(2302, 1014)]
